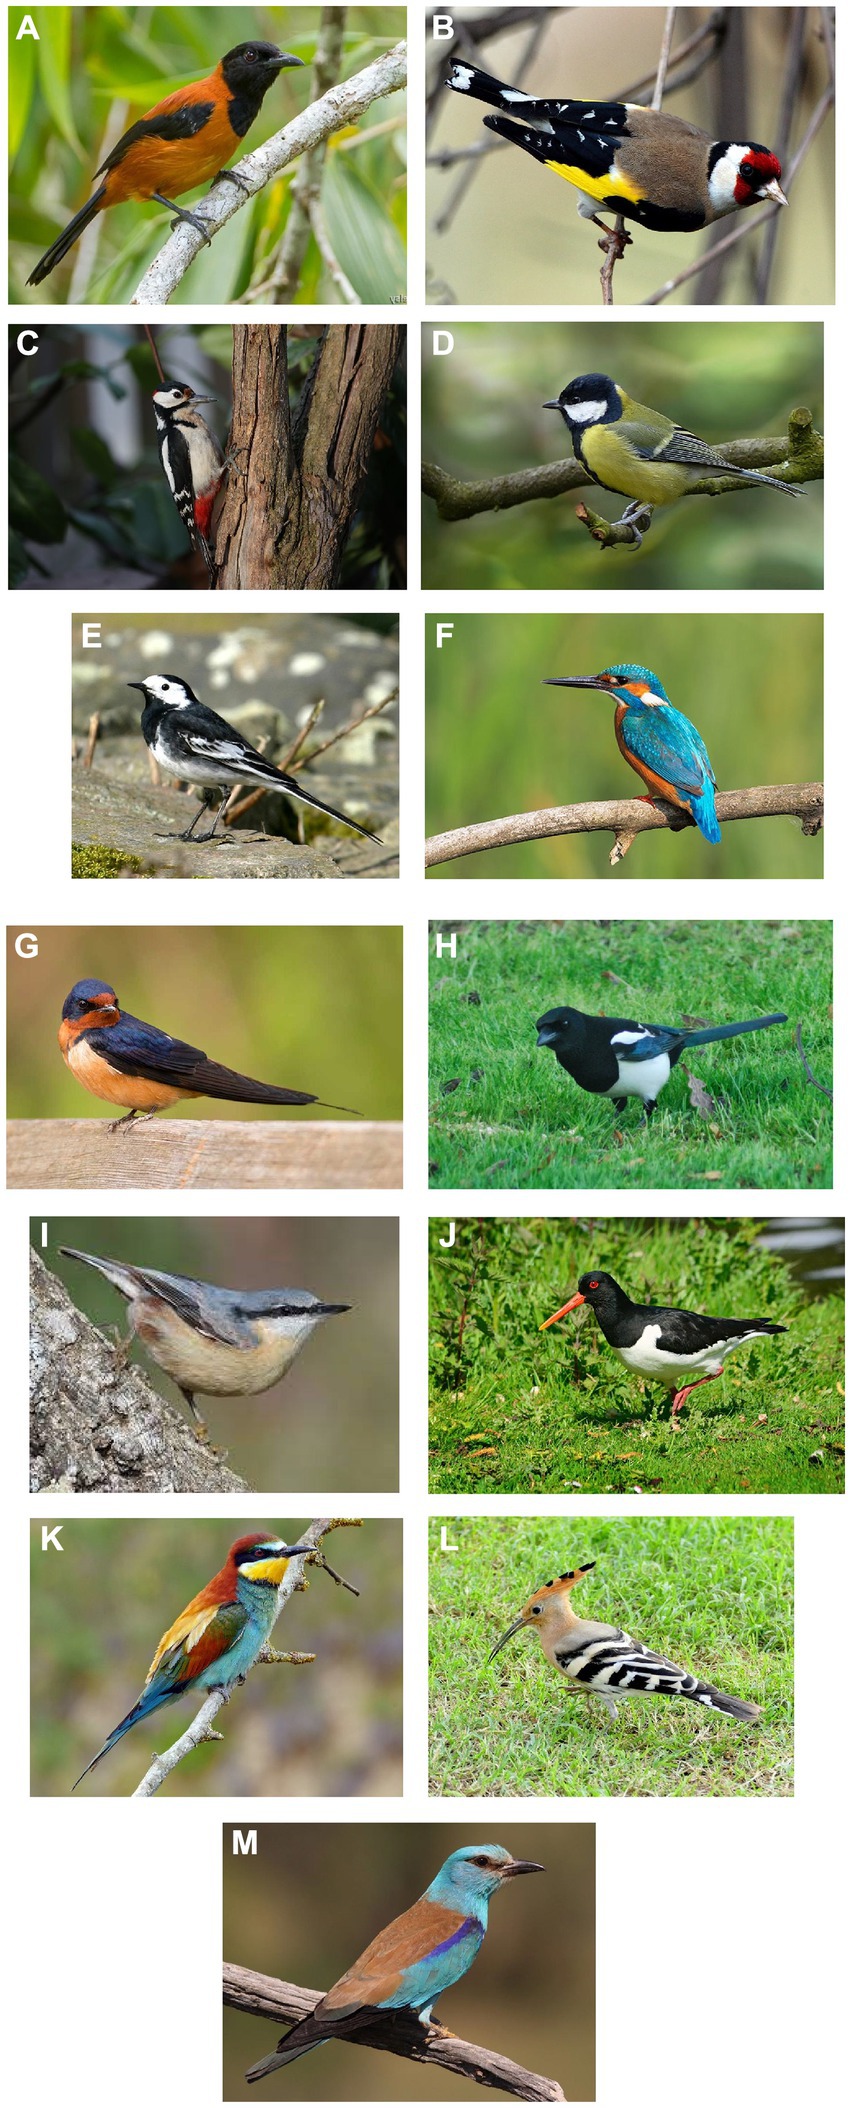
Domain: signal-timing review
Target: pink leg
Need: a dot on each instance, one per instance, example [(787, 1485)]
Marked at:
[(677, 1397)]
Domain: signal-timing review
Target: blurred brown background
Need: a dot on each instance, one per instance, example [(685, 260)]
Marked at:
[(333, 1420), (98, 1610), (316, 1894)]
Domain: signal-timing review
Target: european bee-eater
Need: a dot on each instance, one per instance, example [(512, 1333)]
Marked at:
[(418, 1956), (219, 1635)]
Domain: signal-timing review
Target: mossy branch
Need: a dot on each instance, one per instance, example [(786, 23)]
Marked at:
[(794, 457)]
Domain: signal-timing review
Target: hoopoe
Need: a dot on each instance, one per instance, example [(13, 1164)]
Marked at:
[(606, 1662)]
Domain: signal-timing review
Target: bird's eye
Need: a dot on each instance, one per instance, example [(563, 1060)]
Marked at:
[(251, 54), (536, 1609), (593, 1284), (481, 1860)]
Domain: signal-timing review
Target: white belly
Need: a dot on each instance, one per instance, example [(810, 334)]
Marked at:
[(647, 1358), (640, 1079)]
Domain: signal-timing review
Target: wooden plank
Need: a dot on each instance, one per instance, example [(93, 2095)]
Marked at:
[(182, 1154)]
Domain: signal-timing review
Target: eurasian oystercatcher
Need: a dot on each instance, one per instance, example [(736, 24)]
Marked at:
[(671, 1346)]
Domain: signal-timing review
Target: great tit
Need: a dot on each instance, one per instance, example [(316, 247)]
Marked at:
[(628, 448), (653, 168)]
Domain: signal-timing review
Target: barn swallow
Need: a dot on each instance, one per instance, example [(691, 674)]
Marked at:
[(125, 1061), (224, 1342)]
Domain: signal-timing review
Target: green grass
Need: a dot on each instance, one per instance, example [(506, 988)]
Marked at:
[(503, 1114), (715, 1596), (521, 1411)]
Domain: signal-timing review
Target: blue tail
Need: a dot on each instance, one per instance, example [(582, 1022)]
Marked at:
[(752, 1024), (703, 812), (148, 1703)]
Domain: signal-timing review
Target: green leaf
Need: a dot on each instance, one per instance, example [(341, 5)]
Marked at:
[(54, 69), (362, 235), (93, 450), (34, 508), (22, 77)]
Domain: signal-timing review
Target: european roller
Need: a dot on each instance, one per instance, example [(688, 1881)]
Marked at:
[(219, 1635), (662, 745), (417, 1957)]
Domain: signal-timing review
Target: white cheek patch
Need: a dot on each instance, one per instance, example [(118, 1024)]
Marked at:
[(587, 413), (723, 180)]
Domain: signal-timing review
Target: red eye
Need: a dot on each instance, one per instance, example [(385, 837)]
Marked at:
[(593, 1284)]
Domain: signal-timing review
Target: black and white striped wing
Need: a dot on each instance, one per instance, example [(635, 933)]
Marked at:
[(619, 1666)]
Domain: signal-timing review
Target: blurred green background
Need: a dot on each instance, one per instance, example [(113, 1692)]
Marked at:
[(95, 70), (333, 1419), (497, 742), (316, 1894), (312, 1009), (482, 417), (514, 236), (333, 1726)]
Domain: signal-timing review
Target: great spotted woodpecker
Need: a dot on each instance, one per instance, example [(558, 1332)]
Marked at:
[(193, 462)]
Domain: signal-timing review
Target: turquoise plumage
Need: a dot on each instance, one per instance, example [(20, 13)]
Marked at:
[(663, 746)]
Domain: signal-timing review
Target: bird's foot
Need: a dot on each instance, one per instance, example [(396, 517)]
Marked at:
[(191, 219), (186, 835), (230, 175), (637, 510), (436, 2027), (131, 1119), (618, 234)]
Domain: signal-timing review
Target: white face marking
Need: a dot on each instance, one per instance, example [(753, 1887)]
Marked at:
[(723, 180), (172, 692), (587, 413)]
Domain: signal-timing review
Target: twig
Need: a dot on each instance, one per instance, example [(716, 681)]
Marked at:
[(342, 105), (801, 801), (252, 797), (664, 59), (457, 195), (402, 2034), (92, 739), (795, 457), (782, 135), (751, 221), (327, 60), (201, 1728), (823, 1087)]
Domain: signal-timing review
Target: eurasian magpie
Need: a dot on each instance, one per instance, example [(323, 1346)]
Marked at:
[(614, 1057), (671, 1346), (196, 745)]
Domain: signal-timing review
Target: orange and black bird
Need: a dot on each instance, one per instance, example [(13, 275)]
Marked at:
[(121, 1058), (181, 143)]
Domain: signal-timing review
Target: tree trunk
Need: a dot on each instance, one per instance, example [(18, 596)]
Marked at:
[(295, 480), (96, 1425)]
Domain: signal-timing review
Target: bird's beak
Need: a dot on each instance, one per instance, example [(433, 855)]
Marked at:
[(772, 190), (328, 1310), (562, 1313), (522, 1866), (578, 680), (137, 684), (547, 1037), (555, 405), (506, 1636), (286, 59), (204, 399)]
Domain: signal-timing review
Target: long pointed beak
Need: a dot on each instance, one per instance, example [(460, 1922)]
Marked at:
[(556, 405), (506, 1636), (288, 60), (579, 680), (772, 190), (136, 684), (562, 1313), (522, 1866)]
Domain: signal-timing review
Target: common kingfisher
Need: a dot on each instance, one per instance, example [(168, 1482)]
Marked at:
[(660, 743)]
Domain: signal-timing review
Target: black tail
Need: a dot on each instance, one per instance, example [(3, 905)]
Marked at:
[(718, 1701), (752, 1024), (67, 238), (469, 80), (308, 799)]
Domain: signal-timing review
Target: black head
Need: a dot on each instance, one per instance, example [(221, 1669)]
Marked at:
[(592, 399), (86, 996), (598, 1288), (560, 1028), (251, 68)]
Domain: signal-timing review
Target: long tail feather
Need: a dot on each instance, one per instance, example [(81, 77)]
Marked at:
[(67, 238)]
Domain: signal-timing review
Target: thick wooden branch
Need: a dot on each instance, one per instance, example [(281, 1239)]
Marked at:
[(268, 1998), (297, 474), (184, 1154), (794, 457), (96, 1424), (341, 106), (800, 801), (201, 1728)]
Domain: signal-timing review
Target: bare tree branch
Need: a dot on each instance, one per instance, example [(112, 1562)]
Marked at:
[(268, 1998), (312, 128), (801, 801), (201, 1728)]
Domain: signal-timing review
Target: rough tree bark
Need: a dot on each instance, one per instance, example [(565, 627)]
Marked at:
[(96, 1425), (296, 477)]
